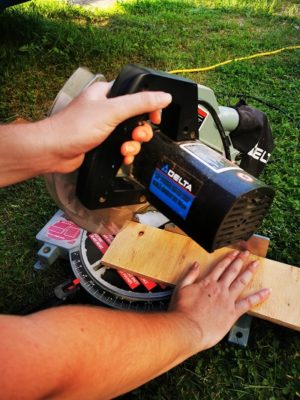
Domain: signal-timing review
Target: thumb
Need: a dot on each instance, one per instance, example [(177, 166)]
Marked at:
[(131, 105), (190, 277)]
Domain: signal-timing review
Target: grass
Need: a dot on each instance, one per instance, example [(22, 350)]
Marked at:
[(42, 42)]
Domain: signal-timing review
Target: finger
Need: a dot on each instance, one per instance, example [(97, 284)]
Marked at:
[(98, 90), (155, 117), (223, 264), (234, 269), (142, 133), (239, 284), (128, 160), (244, 305), (130, 148), (130, 105), (190, 277)]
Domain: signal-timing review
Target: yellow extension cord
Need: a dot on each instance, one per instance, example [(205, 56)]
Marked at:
[(268, 53)]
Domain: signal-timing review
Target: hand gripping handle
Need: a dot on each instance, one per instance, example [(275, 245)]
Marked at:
[(179, 122)]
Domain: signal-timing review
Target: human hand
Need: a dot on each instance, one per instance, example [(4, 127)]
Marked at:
[(211, 305), (89, 119)]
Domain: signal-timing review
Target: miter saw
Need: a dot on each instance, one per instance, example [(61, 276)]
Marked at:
[(199, 171)]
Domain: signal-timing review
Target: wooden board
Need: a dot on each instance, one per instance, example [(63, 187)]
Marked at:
[(257, 244), (166, 256)]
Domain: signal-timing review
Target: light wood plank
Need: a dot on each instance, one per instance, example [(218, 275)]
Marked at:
[(165, 257), (257, 244)]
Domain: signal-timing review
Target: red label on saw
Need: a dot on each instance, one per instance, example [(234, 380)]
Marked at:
[(131, 280), (201, 116), (202, 112), (108, 238), (98, 242), (64, 230), (147, 283)]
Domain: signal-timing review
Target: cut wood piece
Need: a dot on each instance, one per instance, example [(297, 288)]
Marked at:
[(166, 256), (257, 244)]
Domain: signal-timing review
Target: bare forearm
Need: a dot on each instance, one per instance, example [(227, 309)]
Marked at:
[(94, 352), (24, 151), (59, 143)]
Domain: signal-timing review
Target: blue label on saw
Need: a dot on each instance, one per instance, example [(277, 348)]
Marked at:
[(170, 192)]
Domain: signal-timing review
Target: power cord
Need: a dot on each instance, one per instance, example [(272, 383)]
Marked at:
[(244, 96), (268, 104), (224, 138), (256, 55)]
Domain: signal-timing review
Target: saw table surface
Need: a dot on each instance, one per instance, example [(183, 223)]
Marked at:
[(165, 256)]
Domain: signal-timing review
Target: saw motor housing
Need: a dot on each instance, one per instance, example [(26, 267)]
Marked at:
[(210, 198)]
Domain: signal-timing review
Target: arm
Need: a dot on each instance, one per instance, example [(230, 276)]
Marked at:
[(58, 143), (23, 152), (83, 352)]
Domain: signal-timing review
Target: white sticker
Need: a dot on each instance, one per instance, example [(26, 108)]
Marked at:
[(209, 157), (245, 177)]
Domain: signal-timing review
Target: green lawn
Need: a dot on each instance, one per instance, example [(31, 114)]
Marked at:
[(42, 42)]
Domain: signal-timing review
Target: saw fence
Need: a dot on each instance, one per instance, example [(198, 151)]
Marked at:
[(165, 256)]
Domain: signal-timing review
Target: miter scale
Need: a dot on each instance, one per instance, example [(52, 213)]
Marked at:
[(62, 238)]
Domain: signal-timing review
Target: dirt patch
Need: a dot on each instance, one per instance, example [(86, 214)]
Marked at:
[(95, 3)]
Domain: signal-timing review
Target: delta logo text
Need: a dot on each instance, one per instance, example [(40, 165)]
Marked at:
[(177, 178), (259, 154)]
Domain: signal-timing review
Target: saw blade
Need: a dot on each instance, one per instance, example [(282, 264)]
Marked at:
[(108, 221)]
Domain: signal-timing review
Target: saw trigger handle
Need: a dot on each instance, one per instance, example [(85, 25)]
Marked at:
[(96, 177)]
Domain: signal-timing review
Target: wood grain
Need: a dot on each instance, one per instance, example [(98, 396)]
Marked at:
[(165, 257)]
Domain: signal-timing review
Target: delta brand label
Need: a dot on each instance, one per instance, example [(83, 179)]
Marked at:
[(172, 188)]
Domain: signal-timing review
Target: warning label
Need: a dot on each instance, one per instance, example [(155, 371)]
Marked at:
[(175, 194), (131, 280), (209, 157), (98, 242), (147, 283), (201, 116)]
